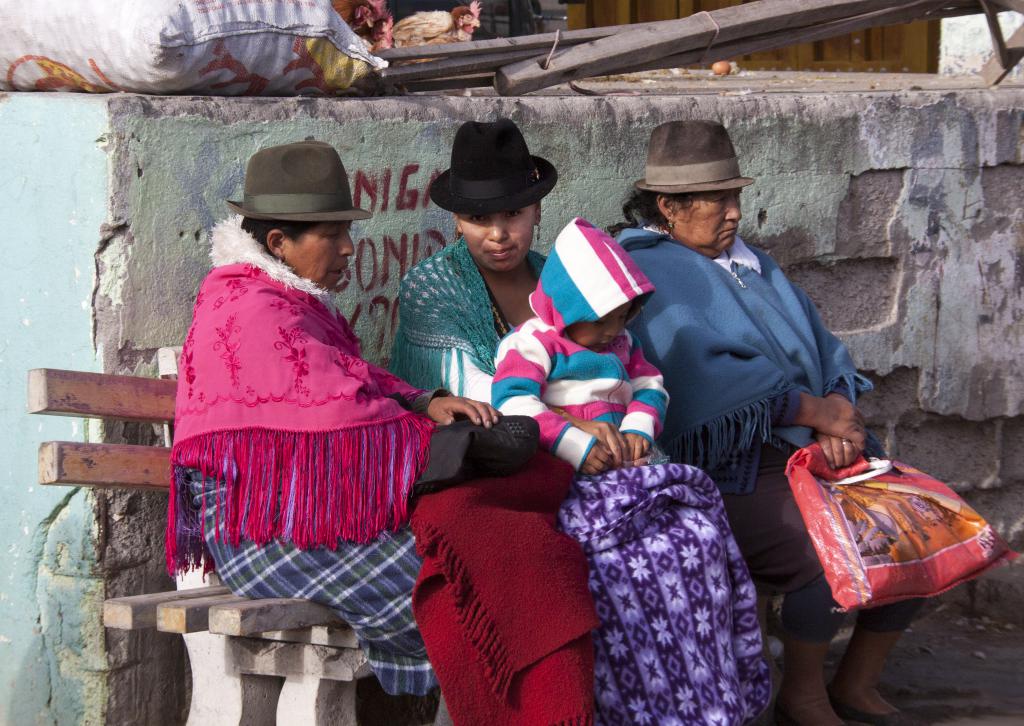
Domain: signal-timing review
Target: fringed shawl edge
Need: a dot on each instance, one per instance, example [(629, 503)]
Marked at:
[(311, 489), (709, 443), (478, 625)]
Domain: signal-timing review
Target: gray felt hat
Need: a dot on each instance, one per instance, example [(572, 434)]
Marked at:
[(691, 156), (300, 182)]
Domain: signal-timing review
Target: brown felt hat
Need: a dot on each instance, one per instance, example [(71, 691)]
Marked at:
[(300, 182), (691, 156)]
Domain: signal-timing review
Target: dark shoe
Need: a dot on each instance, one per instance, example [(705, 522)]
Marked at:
[(781, 717), (855, 715)]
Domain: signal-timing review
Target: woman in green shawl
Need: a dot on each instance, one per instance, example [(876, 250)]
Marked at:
[(456, 305)]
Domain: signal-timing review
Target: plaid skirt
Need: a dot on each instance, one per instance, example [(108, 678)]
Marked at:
[(368, 585)]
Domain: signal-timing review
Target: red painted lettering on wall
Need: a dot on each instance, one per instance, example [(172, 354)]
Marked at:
[(426, 193), (371, 190), (407, 197), (366, 264)]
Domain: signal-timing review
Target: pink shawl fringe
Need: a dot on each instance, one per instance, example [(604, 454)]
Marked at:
[(307, 488)]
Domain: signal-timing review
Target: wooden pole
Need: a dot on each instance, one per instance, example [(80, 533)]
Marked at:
[(757, 44), (740, 29)]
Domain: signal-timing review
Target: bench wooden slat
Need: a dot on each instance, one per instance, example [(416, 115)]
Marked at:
[(98, 395), (257, 616), (104, 465), (338, 637), (136, 612), (190, 616), (267, 658)]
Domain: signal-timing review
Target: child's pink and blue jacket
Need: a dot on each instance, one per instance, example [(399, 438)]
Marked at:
[(586, 276)]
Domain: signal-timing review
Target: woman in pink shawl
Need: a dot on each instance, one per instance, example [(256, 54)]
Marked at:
[(294, 458)]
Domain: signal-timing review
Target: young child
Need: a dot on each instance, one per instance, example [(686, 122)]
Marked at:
[(577, 357)]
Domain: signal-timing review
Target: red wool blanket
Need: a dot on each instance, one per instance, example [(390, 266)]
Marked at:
[(502, 600)]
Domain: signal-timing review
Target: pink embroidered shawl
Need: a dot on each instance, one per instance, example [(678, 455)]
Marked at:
[(274, 399)]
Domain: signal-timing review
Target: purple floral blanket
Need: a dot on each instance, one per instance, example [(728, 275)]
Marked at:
[(679, 641)]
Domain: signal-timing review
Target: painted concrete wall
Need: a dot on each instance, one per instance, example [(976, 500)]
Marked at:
[(53, 200), (899, 212), (965, 44)]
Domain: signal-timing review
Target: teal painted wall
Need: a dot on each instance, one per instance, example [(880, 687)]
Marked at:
[(53, 199)]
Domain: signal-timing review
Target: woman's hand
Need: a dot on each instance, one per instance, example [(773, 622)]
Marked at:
[(598, 460), (839, 452), (445, 409), (833, 416), (636, 447)]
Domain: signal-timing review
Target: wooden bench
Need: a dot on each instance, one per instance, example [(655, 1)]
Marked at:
[(253, 661)]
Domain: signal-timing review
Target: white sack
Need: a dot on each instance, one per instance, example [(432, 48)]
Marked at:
[(222, 47)]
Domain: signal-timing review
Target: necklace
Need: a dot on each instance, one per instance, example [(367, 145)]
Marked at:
[(737, 277), (500, 325)]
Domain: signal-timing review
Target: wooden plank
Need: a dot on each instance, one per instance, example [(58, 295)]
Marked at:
[(191, 615), (258, 616), (648, 11), (287, 660), (993, 71), (99, 395), (136, 612), (913, 47), (447, 67), (576, 15), (648, 44), (316, 635), (104, 466), (477, 80), (800, 35), (538, 41)]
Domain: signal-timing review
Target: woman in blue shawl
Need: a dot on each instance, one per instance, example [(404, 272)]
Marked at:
[(752, 373)]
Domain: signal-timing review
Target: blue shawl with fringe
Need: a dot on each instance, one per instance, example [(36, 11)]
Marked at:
[(444, 308), (726, 351)]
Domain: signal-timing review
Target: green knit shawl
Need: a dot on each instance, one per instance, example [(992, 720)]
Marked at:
[(444, 307)]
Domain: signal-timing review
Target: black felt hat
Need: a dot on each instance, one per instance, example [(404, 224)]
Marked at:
[(300, 182), (492, 171)]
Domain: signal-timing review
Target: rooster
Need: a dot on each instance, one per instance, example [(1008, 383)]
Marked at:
[(369, 19), (438, 26)]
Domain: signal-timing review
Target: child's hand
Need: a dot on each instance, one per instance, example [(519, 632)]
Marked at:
[(636, 447), (600, 430), (612, 439), (598, 460), (444, 409)]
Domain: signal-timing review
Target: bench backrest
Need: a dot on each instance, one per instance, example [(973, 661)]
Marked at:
[(102, 396)]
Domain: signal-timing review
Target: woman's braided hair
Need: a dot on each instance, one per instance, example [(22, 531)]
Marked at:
[(260, 228), (641, 208)]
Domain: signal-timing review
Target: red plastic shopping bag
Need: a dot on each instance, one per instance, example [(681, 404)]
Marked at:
[(885, 531)]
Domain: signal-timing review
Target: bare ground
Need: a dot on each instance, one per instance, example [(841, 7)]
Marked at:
[(957, 670)]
